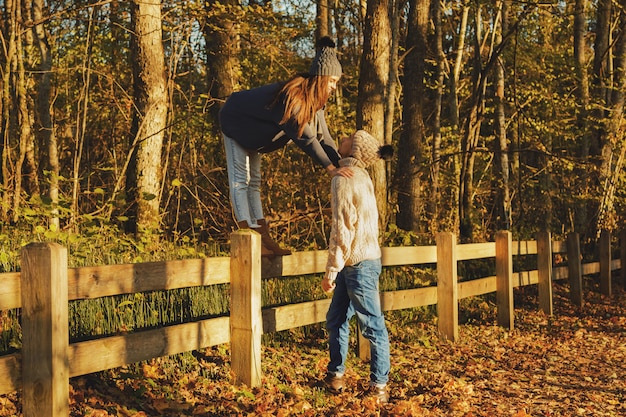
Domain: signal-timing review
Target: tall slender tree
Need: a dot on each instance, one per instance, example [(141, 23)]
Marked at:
[(45, 129), (614, 142), (26, 167), (411, 143), (502, 190), (149, 118), (582, 114), (435, 164)]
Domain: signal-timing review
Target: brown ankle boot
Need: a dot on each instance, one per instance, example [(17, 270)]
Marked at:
[(268, 241), (265, 251)]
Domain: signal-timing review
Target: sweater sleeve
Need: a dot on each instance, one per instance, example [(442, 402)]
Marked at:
[(343, 226)]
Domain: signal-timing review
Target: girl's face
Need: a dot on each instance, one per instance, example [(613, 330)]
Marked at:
[(332, 84), (345, 146)]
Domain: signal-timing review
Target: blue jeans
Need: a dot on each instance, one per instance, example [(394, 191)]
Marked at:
[(357, 292), (244, 180)]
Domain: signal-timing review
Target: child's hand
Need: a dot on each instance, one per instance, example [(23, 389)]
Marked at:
[(328, 283)]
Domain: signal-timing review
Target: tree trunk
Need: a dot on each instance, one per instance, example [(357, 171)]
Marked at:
[(8, 113), (149, 119), (614, 148), (601, 86), (221, 33), (453, 100), (412, 137), (471, 135), (26, 166), (392, 86), (473, 122), (322, 19), (373, 80), (502, 191), (436, 148), (580, 57), (46, 134)]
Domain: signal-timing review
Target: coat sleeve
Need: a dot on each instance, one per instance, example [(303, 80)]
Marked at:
[(316, 141)]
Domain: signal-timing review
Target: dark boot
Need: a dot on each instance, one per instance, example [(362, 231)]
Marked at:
[(265, 251), (268, 241)]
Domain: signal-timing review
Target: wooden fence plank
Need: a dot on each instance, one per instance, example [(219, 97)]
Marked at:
[(112, 352), (447, 288), (10, 373), (246, 319), (409, 255), (298, 263), (469, 251), (401, 299), (524, 247), (522, 278), (477, 286), (276, 319), (10, 291), (102, 281), (45, 331)]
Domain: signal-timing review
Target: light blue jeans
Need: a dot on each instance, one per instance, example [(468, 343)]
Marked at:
[(244, 180), (357, 292)]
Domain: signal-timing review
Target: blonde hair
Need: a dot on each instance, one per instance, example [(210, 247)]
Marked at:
[(303, 95)]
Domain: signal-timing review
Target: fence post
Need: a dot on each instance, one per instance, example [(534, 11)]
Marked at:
[(363, 349), (605, 262), (622, 257), (504, 279), (544, 271), (45, 330), (574, 270), (447, 288), (246, 320)]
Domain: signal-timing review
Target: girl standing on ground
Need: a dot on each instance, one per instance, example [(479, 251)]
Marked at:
[(354, 265)]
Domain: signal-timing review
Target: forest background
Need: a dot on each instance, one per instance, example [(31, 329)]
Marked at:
[(505, 115)]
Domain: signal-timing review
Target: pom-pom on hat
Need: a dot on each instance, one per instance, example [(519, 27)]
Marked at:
[(368, 150), (325, 61)]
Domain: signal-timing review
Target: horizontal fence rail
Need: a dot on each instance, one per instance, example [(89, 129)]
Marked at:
[(45, 285)]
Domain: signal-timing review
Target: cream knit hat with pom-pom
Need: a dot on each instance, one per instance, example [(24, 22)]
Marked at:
[(365, 147)]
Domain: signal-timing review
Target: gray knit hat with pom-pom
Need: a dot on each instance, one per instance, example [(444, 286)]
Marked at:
[(325, 61)]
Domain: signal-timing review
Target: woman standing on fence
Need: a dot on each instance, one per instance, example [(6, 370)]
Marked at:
[(354, 265), (265, 119)]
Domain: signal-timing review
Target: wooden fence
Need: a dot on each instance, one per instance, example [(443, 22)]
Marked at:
[(45, 285)]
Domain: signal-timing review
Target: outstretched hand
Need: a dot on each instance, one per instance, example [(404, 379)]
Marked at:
[(342, 171)]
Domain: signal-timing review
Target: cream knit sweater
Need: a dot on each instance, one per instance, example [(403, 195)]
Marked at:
[(354, 231)]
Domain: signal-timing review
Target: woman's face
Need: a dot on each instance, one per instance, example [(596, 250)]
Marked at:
[(332, 84)]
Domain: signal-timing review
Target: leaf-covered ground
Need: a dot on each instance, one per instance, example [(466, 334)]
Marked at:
[(570, 364)]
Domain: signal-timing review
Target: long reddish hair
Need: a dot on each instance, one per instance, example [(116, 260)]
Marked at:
[(303, 95)]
